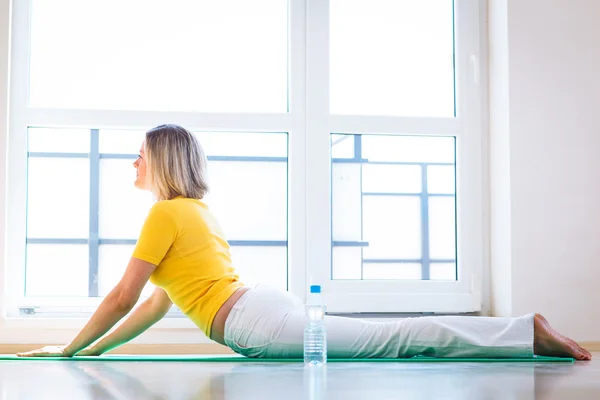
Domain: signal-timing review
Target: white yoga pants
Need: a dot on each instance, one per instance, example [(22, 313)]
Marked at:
[(269, 323)]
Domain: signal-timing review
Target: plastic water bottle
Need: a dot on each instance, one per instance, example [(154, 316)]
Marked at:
[(315, 338)]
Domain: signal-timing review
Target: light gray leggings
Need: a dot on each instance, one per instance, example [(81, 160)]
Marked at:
[(269, 323)]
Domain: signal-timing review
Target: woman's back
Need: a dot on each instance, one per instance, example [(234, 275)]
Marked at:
[(184, 240)]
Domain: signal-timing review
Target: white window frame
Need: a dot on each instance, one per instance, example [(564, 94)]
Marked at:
[(308, 125), (355, 296)]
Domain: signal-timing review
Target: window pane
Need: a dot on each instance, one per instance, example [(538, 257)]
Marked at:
[(213, 56), (346, 202), (442, 244), (248, 194), (418, 149), (392, 57), (442, 271), (58, 197), (347, 263), (120, 141), (391, 178), (392, 271), (112, 262), (243, 144), (52, 140), (342, 146), (377, 202), (249, 199), (57, 270), (440, 179), (122, 208), (261, 265), (392, 226)]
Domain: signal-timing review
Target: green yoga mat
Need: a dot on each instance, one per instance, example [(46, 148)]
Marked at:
[(237, 358)]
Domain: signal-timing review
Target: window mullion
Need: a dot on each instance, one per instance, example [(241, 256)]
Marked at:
[(94, 235), (297, 179), (318, 170)]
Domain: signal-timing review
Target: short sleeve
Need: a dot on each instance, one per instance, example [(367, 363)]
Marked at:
[(157, 236)]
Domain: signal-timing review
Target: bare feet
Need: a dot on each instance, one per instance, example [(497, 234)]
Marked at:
[(548, 342)]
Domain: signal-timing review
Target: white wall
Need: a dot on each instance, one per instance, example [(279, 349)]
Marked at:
[(545, 161)]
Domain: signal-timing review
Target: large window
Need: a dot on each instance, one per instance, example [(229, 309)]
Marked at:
[(343, 139), (393, 207), (185, 55), (91, 215), (392, 57)]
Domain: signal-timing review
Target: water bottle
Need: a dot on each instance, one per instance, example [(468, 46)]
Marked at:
[(315, 339)]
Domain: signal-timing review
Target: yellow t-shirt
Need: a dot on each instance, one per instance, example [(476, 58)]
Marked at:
[(183, 239)]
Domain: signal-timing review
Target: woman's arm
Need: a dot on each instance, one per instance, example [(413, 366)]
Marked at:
[(144, 316), (115, 306), (158, 234)]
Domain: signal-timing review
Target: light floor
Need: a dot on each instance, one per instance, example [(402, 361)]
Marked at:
[(26, 380)]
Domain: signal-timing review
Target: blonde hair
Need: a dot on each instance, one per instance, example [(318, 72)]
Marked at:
[(176, 164)]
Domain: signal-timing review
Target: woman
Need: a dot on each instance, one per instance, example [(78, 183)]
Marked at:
[(182, 250)]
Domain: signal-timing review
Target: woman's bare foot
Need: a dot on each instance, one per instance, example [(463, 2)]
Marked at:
[(548, 342)]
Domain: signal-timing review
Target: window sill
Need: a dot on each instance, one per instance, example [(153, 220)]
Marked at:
[(63, 330), (66, 322), (142, 349)]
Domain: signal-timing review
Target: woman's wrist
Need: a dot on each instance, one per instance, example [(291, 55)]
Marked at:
[(98, 348), (69, 351)]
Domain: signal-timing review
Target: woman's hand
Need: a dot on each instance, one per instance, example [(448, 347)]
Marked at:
[(90, 352), (46, 351)]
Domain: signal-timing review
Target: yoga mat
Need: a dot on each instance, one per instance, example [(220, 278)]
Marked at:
[(238, 358)]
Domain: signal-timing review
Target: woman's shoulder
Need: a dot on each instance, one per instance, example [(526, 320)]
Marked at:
[(162, 208), (176, 206)]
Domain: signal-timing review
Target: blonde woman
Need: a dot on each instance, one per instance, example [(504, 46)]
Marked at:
[(182, 250)]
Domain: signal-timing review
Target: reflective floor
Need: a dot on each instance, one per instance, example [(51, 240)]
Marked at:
[(156, 380)]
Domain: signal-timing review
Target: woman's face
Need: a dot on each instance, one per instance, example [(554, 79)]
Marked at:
[(140, 166)]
